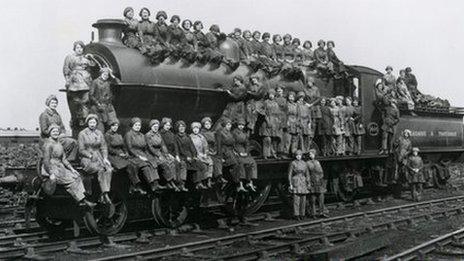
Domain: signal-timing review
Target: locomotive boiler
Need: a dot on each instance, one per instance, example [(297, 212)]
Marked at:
[(189, 92)]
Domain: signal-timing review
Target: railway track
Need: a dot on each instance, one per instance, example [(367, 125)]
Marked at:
[(295, 237), (21, 241), (445, 247)]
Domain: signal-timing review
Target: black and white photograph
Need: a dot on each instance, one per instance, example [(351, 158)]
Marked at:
[(232, 130)]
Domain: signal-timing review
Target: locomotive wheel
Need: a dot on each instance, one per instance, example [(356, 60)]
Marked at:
[(169, 209), (437, 180), (103, 221), (345, 195), (243, 204), (285, 196)]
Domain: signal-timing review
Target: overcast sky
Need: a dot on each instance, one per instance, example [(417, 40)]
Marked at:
[(424, 34)]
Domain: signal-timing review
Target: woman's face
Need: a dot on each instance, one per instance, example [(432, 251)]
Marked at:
[(321, 44), (278, 39), (114, 127), (55, 133), (402, 73), (271, 96), (415, 153), (298, 156), (287, 40), (280, 91), (348, 102), (199, 27), (240, 126), (307, 46), (207, 125), (291, 97), (323, 102), (53, 104), (130, 14), (311, 155), (266, 39), (330, 45), (160, 19), (247, 35), (155, 127), (181, 129), (105, 76), (167, 126), (79, 49), (137, 126), (237, 82), (332, 103), (228, 126), (254, 81), (256, 36), (175, 22), (196, 130), (355, 103), (145, 14), (92, 123), (296, 44), (187, 25)]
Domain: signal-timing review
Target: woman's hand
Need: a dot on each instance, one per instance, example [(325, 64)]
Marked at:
[(52, 177), (143, 158)]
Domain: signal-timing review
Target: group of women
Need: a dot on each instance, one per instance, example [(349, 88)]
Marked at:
[(186, 39), (161, 153), (293, 121)]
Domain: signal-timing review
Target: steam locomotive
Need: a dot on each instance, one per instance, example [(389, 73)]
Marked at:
[(190, 92)]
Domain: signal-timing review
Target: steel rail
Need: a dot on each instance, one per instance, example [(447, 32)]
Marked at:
[(421, 250), (209, 243)]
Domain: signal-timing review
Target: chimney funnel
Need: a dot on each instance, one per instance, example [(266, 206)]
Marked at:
[(110, 30)]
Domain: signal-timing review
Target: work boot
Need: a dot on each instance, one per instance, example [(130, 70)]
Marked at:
[(200, 186), (172, 185), (209, 184), (251, 186), (137, 189), (86, 203), (240, 188), (182, 187), (156, 186)]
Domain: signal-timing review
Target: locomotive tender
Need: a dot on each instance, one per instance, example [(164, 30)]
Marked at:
[(192, 91)]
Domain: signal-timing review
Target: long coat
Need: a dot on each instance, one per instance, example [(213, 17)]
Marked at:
[(298, 172), (137, 146), (415, 169), (318, 183), (292, 118), (101, 98), (169, 139), (254, 104), (93, 151), (54, 162), (272, 126), (390, 118), (158, 150), (130, 38), (226, 143), (336, 121), (403, 147), (117, 153), (49, 117), (304, 119), (212, 139), (248, 165), (75, 70), (326, 121)]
